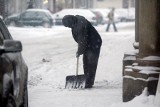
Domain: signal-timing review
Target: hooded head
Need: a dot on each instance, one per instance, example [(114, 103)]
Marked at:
[(69, 21)]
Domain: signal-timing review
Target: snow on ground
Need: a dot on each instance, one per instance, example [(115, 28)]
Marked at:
[(50, 56)]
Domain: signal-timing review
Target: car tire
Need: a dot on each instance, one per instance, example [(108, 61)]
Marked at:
[(12, 23), (46, 25), (11, 102), (25, 98)]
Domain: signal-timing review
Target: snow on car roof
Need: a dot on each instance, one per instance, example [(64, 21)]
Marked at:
[(41, 10), (82, 12)]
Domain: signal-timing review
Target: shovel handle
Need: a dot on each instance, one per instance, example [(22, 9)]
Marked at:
[(77, 66)]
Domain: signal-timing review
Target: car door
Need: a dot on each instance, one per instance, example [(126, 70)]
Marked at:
[(6, 67), (41, 18), (13, 68), (27, 18)]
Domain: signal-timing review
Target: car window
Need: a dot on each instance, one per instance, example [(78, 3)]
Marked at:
[(27, 15), (40, 14), (49, 15)]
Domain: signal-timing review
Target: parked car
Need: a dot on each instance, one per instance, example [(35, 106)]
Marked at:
[(13, 71), (126, 15), (31, 17), (131, 16), (104, 13), (99, 17), (83, 12)]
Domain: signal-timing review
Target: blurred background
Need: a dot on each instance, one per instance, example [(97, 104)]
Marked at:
[(8, 7), (95, 11)]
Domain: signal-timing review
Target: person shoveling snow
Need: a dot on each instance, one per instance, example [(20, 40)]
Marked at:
[(89, 44)]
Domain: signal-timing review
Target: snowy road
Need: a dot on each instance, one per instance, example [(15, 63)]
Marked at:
[(50, 56)]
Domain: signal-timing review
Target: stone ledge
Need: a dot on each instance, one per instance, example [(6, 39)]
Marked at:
[(141, 75), (133, 88)]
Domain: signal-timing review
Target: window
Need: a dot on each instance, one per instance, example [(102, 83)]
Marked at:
[(40, 15), (28, 15)]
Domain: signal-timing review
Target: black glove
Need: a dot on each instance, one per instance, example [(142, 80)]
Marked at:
[(77, 55)]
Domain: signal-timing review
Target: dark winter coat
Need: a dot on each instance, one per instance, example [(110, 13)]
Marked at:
[(111, 15), (83, 33)]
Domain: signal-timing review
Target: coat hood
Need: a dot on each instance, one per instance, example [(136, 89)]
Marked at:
[(69, 21)]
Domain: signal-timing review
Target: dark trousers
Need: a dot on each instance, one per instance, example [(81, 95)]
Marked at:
[(90, 61), (114, 26)]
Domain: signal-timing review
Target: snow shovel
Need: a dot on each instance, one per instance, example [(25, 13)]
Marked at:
[(75, 81)]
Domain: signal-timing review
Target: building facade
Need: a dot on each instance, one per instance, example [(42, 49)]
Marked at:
[(108, 3), (114, 3), (9, 7)]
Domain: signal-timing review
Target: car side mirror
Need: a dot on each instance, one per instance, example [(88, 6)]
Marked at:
[(11, 46)]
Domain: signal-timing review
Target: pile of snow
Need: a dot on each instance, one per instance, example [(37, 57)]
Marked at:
[(140, 101)]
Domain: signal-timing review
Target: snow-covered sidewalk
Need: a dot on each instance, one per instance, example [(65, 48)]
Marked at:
[(50, 56)]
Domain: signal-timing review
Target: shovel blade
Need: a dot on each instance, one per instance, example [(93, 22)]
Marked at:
[(75, 82)]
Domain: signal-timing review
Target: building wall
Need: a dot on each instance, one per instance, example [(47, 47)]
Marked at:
[(15, 6), (114, 3), (128, 3), (108, 3)]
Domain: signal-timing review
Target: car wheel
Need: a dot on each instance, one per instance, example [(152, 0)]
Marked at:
[(12, 23), (25, 98), (46, 25), (11, 102)]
